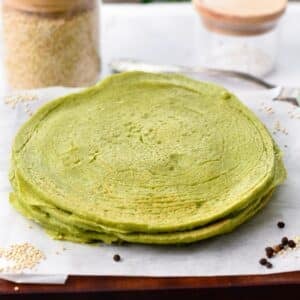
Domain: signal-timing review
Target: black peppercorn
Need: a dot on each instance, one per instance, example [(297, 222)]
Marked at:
[(263, 261), (269, 265), (291, 244), (284, 241), (269, 252), (280, 225), (117, 257)]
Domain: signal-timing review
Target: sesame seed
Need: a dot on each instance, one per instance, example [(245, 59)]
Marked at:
[(267, 109), (278, 128), (16, 288), (24, 98), (276, 248), (21, 257)]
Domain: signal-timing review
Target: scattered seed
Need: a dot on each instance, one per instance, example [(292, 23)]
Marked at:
[(117, 257), (277, 248), (16, 288), (280, 224), (291, 244), (263, 261), (267, 109), (13, 100), (297, 240), (269, 265), (284, 241), (269, 252), (279, 128), (21, 257)]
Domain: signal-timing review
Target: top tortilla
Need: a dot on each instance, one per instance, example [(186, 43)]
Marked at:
[(147, 153)]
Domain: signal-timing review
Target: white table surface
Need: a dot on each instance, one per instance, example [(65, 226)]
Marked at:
[(171, 33)]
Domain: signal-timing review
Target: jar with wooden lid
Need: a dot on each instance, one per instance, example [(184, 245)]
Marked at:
[(51, 43), (240, 35)]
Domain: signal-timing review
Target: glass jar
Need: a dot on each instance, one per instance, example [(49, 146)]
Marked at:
[(240, 35), (51, 43)]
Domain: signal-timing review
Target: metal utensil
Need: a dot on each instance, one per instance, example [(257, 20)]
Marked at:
[(286, 94)]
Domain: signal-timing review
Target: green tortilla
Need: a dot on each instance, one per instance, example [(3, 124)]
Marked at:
[(144, 158)]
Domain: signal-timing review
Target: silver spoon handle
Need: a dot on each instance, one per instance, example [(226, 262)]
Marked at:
[(124, 65), (289, 94)]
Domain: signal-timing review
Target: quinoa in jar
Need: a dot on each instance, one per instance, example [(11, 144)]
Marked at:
[(51, 43)]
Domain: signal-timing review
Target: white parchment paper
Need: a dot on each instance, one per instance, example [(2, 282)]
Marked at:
[(231, 254)]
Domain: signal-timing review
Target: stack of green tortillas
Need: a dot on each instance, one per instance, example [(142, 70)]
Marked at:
[(144, 158)]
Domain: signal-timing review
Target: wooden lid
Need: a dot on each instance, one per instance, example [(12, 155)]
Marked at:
[(240, 17), (49, 6)]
